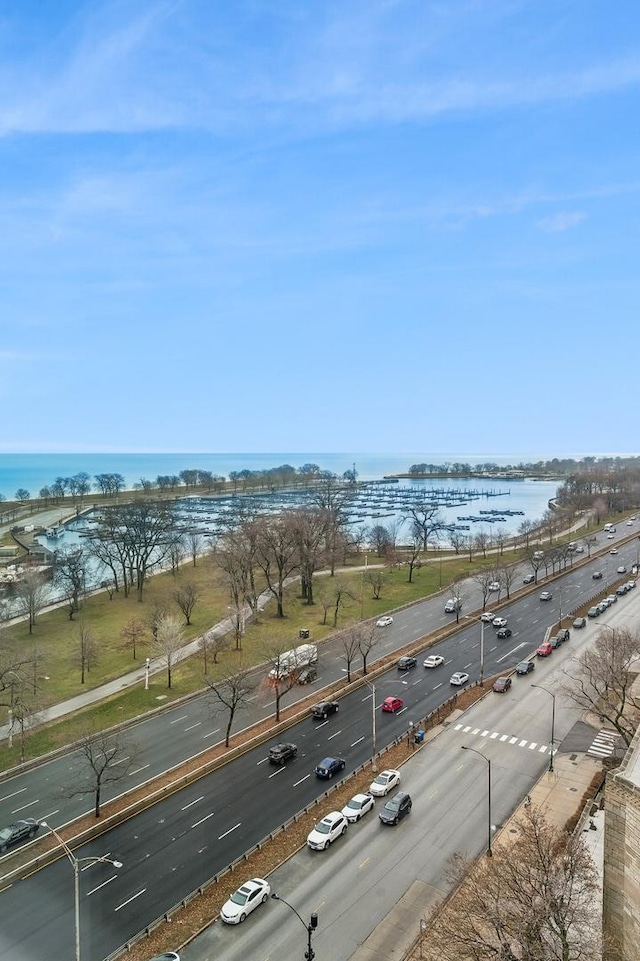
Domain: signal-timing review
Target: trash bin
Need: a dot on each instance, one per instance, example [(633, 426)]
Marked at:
[(304, 633), (419, 736)]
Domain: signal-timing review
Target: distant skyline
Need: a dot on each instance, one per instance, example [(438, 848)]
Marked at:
[(376, 225)]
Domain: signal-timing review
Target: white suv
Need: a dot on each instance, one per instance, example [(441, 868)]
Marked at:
[(327, 830)]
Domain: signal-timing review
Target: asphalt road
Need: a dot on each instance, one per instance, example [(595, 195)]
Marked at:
[(354, 884), (169, 738), (170, 849)]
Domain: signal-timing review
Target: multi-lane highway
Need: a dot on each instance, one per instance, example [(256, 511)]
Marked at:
[(170, 849)]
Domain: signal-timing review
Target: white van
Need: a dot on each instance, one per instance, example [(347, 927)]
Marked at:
[(453, 604), (293, 660)]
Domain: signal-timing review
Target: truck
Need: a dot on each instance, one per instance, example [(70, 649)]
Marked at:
[(294, 660)]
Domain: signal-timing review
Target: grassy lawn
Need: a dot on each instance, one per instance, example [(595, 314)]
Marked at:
[(56, 638)]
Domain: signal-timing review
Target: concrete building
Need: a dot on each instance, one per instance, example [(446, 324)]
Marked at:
[(621, 881)]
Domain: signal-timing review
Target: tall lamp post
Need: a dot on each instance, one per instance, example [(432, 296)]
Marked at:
[(488, 760), (553, 721), (75, 864), (370, 684), (311, 926), (146, 674)]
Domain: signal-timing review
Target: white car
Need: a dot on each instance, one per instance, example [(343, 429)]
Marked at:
[(614, 550), (611, 537), (243, 901), (434, 660), (358, 806), (327, 830), (499, 622), (494, 586), (384, 621), (487, 617), (622, 569), (459, 678), (385, 782)]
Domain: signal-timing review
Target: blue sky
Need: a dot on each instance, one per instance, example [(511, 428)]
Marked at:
[(345, 226)]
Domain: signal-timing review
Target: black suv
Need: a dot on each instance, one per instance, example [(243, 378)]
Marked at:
[(330, 766), (280, 753), (406, 663), (324, 709), (395, 808)]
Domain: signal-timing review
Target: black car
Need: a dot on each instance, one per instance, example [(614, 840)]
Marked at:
[(18, 831), (280, 753), (504, 632), (524, 667), (395, 808), (563, 634), (580, 622), (406, 663), (324, 709), (555, 641), (330, 766), (597, 575)]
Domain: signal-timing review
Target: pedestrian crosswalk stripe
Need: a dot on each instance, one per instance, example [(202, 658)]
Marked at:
[(513, 739), (603, 744)]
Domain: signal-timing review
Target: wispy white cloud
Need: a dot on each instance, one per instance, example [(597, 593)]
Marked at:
[(155, 66), (564, 220)]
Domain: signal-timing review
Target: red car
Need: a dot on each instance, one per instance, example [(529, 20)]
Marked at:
[(392, 704), (544, 650), (501, 685)]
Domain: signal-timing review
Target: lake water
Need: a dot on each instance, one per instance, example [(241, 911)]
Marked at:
[(35, 471)]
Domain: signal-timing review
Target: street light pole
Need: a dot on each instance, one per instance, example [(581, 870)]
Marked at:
[(370, 684), (146, 675), (481, 653), (553, 721), (488, 760), (311, 926), (75, 864)]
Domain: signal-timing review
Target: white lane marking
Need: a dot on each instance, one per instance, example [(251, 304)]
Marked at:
[(211, 733), (503, 737), (191, 803), (296, 783), (542, 748), (138, 769), (278, 770), (326, 721), (358, 741), (262, 761), (467, 665), (104, 883), (522, 744), (121, 760), (437, 686), (402, 710), (181, 718), (416, 682), (49, 815), (509, 653), (493, 736), (512, 740), (533, 745), (198, 723), (202, 820), (369, 695), (484, 734), (230, 830), (25, 806), (475, 730), (5, 797), (466, 729), (129, 900), (331, 736)]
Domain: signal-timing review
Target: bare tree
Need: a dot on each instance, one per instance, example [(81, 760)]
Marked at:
[(536, 899), (376, 579), (426, 522), (311, 527), (132, 634), (281, 677), (86, 653), (231, 693), (600, 680), (107, 758), (168, 642), (195, 545), (506, 577), (211, 644), (367, 640), (186, 597), (483, 579), (340, 595), (70, 575), (277, 556), (32, 594), (159, 610), (350, 643), (481, 542)]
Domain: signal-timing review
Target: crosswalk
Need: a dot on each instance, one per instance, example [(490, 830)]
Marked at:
[(604, 744), (511, 739)]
